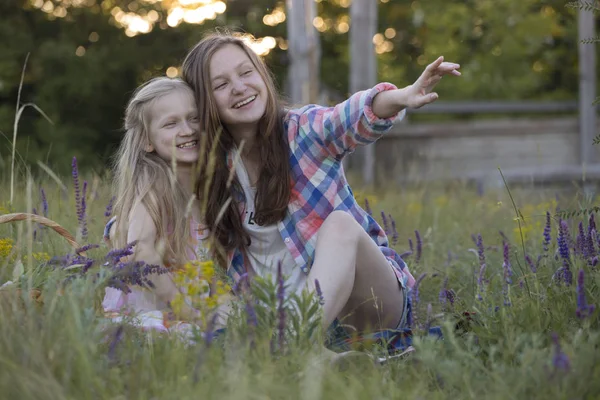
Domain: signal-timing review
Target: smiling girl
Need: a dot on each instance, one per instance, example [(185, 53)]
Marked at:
[(161, 131), (292, 204)]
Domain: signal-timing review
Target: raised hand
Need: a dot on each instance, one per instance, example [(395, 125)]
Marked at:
[(421, 92)]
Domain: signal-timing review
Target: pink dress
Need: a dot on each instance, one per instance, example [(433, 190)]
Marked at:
[(142, 307)]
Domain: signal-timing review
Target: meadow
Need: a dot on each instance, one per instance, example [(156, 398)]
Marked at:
[(525, 271)]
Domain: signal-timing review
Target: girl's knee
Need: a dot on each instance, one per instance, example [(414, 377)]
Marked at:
[(341, 223)]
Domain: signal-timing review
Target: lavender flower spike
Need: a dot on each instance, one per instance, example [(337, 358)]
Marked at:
[(547, 231), (529, 261), (560, 361), (319, 292), (75, 174), (394, 231), (109, 207), (583, 309), (368, 207), (507, 273), (83, 222), (44, 202), (419, 246), (386, 227)]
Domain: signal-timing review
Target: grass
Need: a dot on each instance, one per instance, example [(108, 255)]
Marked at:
[(63, 348)]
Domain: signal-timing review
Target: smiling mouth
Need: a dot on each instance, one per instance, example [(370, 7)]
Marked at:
[(244, 102), (187, 145)]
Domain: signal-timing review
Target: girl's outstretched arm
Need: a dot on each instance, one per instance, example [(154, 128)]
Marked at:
[(389, 103)]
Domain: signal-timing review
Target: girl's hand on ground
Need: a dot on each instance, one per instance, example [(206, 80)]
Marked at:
[(421, 92)]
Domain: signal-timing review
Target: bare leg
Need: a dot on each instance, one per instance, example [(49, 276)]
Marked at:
[(356, 279)]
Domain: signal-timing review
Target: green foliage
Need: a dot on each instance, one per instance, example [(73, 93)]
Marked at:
[(508, 50), (65, 347), (584, 5)]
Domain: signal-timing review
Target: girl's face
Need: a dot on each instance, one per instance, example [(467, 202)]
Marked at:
[(239, 90), (174, 122)]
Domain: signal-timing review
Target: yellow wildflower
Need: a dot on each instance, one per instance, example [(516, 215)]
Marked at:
[(6, 246), (414, 208), (441, 201), (208, 269)]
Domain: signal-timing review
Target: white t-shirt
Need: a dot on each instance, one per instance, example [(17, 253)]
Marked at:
[(267, 247)]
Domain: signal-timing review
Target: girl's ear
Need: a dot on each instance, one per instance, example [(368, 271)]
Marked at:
[(149, 148)]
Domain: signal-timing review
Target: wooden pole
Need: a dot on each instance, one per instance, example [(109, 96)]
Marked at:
[(587, 89), (304, 51), (363, 69)]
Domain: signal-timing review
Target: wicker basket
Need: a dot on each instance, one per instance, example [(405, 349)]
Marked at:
[(43, 221)]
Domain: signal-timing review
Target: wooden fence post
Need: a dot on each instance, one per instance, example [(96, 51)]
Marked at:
[(304, 51), (587, 88), (363, 70)]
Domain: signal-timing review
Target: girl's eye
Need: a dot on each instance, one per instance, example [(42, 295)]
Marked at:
[(220, 86), (169, 125), (194, 119), (247, 72)]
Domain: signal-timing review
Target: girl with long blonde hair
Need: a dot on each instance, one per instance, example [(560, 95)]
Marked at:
[(155, 205)]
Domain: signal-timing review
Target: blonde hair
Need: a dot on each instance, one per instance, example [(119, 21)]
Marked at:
[(144, 177)]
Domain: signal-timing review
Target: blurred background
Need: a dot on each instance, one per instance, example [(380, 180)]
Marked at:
[(524, 102)]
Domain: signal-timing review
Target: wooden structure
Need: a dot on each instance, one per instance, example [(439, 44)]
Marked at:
[(363, 68), (304, 52), (529, 150)]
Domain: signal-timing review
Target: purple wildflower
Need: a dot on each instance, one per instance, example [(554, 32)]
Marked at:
[(547, 232), (319, 292), (583, 309), (590, 247), (394, 231), (504, 237), (251, 313), (507, 273), (241, 284), (281, 306), (415, 300), (83, 218), (75, 174), (415, 290), (446, 295), (134, 273), (532, 266), (87, 247), (109, 207), (405, 254), (563, 240), (419, 246), (116, 254), (368, 207), (580, 246), (209, 335), (386, 227), (44, 202), (506, 264), (591, 223), (411, 246), (115, 341), (480, 250), (560, 361), (564, 273)]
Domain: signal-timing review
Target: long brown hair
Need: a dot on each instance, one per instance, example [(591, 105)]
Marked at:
[(273, 186)]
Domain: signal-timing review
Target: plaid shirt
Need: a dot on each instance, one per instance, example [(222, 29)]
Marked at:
[(319, 138)]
